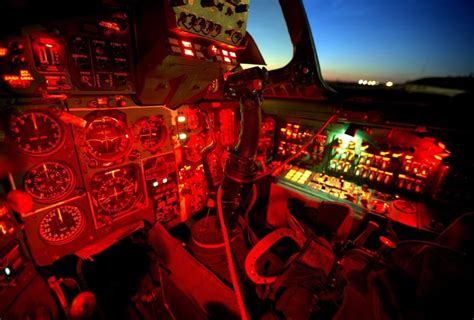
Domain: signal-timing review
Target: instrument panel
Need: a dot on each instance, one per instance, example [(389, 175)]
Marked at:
[(104, 169), (393, 172), (222, 21), (95, 164), (114, 167)]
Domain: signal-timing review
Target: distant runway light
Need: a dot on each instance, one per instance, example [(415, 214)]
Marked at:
[(389, 84), (364, 82), (361, 81)]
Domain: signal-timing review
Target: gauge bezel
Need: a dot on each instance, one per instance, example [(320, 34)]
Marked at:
[(71, 238), (125, 130), (61, 140), (163, 139), (193, 141), (109, 212), (98, 180), (60, 197)]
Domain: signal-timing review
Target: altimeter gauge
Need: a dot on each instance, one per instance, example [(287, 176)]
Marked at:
[(49, 181), (36, 133), (62, 224)]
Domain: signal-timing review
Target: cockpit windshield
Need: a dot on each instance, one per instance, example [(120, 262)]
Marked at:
[(392, 41)]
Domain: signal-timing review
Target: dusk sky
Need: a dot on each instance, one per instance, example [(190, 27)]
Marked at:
[(376, 39)]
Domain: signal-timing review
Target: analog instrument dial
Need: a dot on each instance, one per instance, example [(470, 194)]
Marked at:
[(37, 133), (49, 181), (193, 148), (107, 138), (193, 121), (152, 133), (115, 191), (405, 206), (62, 224)]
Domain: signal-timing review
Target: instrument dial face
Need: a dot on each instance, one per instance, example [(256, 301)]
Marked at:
[(49, 181), (62, 224), (193, 148), (152, 133), (107, 138), (193, 120), (115, 191), (37, 133)]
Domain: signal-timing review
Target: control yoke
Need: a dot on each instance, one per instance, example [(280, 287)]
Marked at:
[(240, 169)]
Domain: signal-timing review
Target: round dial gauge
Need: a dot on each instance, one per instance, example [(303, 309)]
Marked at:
[(193, 148), (36, 133), (192, 119), (49, 181), (152, 133), (116, 194), (62, 224), (107, 138), (405, 206)]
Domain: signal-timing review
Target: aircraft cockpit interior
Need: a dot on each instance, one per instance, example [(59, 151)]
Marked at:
[(154, 164)]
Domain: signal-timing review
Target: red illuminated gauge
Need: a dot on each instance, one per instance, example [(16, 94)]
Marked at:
[(36, 133), (115, 191), (405, 206), (152, 133), (49, 181), (193, 120), (62, 224), (193, 148), (107, 138)]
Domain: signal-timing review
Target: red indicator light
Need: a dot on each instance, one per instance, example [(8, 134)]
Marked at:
[(212, 51), (232, 54), (102, 101), (187, 44), (225, 52), (226, 59), (49, 45), (3, 51), (189, 52)]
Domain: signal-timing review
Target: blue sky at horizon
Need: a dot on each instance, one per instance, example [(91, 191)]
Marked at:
[(375, 39)]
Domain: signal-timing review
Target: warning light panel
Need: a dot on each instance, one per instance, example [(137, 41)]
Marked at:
[(202, 51)]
